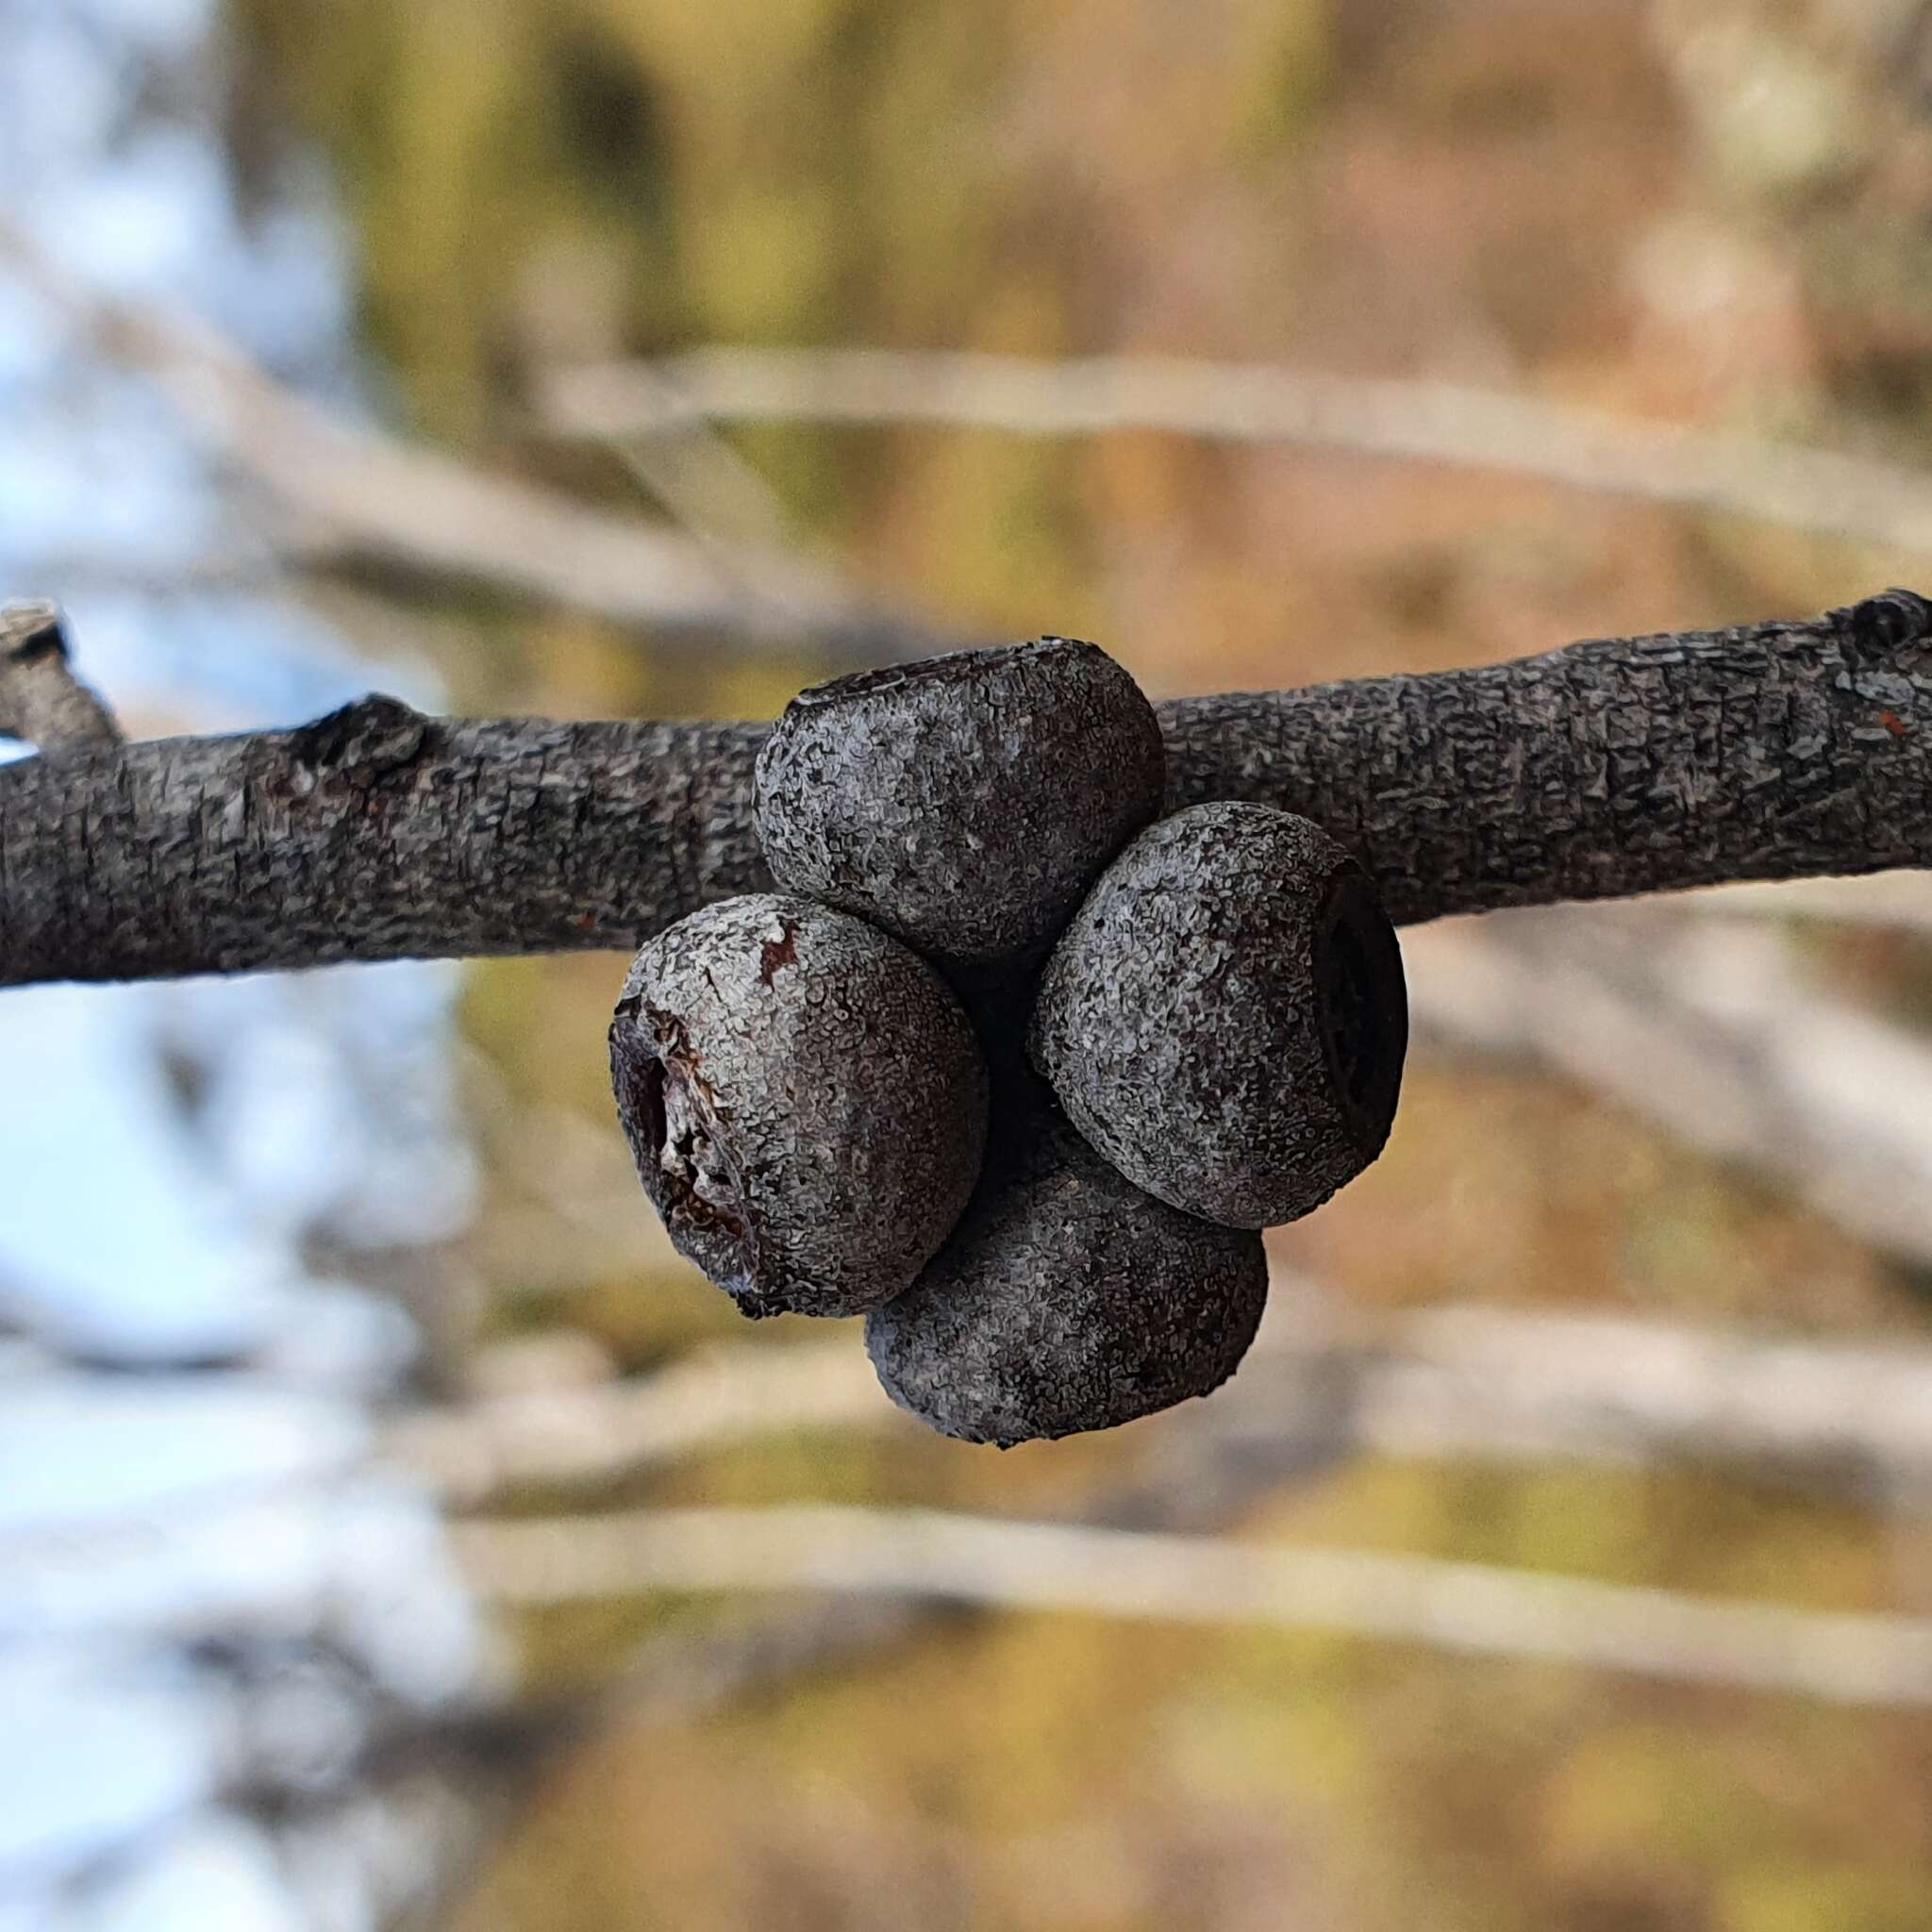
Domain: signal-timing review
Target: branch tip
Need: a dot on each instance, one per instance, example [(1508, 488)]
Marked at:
[(32, 631), (1889, 622), (42, 702)]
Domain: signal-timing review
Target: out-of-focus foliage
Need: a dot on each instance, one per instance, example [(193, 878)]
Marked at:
[(1717, 212)]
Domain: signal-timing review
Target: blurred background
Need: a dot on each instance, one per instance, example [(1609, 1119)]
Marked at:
[(347, 1386)]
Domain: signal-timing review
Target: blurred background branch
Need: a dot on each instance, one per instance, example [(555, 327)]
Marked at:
[(1820, 492), (1441, 1383), (347, 491), (1135, 1574), (1707, 1028)]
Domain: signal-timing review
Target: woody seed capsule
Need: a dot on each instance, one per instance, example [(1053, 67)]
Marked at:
[(805, 1099)]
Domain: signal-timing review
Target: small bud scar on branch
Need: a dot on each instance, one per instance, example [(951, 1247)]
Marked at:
[(1614, 767)]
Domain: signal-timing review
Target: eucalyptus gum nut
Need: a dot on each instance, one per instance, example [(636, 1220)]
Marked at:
[(966, 803), (1067, 1299), (805, 1099), (1226, 1017)]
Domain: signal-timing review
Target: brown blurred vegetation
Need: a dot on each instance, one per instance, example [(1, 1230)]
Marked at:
[(1716, 212)]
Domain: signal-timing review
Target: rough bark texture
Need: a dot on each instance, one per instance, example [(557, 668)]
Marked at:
[(1617, 766), (1224, 1019), (1067, 1299), (373, 834), (1614, 767), (806, 1101), (964, 803)]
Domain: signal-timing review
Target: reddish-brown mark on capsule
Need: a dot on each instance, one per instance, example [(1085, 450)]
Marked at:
[(778, 954)]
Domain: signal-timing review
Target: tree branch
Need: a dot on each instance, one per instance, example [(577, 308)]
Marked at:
[(1614, 767), (353, 494), (42, 702), (1454, 1382), (1815, 490), (1475, 1608), (374, 833)]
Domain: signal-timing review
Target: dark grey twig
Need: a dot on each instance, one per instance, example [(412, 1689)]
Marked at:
[(1614, 767)]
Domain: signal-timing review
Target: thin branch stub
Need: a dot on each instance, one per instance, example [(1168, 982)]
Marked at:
[(42, 702)]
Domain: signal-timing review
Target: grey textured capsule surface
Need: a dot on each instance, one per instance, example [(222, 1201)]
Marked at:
[(1226, 1018), (966, 803), (806, 1101), (1066, 1299)]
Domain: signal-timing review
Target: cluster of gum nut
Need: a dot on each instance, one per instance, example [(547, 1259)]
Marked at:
[(1012, 1065)]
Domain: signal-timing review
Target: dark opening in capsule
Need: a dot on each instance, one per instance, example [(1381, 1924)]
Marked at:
[(1364, 1001)]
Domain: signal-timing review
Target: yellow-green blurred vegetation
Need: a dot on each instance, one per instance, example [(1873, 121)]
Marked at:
[(1719, 212)]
